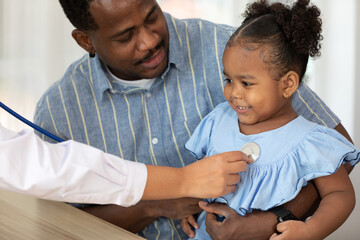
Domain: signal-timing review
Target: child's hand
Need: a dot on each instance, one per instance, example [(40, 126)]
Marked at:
[(291, 229), (186, 224)]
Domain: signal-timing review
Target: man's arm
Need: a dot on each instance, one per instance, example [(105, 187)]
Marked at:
[(137, 217)]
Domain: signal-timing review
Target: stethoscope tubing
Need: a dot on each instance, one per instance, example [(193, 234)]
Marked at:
[(34, 126)]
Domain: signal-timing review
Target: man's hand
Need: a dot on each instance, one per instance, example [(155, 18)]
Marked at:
[(257, 225), (216, 175), (177, 208), (188, 223)]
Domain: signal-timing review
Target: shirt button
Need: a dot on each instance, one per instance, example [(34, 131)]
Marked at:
[(178, 226), (148, 95), (154, 141), (113, 91)]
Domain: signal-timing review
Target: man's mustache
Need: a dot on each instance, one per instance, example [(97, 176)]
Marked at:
[(151, 53)]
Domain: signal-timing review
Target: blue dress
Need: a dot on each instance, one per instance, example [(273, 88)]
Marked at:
[(290, 156)]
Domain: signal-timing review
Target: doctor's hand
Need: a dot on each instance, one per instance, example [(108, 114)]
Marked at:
[(257, 225), (216, 175)]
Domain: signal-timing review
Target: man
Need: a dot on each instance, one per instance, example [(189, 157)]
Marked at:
[(72, 171), (148, 81)]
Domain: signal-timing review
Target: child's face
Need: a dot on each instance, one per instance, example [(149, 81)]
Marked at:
[(249, 89)]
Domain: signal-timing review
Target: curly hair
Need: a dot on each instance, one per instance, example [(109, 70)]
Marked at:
[(78, 12), (289, 34)]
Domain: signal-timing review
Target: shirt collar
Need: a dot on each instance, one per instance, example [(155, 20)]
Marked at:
[(97, 75), (176, 55)]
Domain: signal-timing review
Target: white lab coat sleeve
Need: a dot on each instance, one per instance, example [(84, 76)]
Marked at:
[(67, 171)]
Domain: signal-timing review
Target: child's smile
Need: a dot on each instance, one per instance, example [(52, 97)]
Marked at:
[(252, 93)]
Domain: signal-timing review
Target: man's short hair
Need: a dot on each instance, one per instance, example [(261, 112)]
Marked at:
[(78, 12)]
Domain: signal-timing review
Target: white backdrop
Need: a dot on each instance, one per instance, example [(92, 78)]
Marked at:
[(36, 47)]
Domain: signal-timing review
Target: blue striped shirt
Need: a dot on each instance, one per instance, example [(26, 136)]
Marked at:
[(152, 126)]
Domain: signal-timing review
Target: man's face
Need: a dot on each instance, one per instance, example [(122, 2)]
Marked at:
[(132, 38)]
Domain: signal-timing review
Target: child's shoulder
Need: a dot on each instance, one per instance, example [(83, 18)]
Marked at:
[(222, 107), (317, 129), (220, 111)]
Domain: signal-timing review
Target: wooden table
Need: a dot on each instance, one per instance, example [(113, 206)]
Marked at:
[(25, 217)]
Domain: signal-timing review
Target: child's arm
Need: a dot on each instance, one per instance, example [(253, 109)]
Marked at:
[(337, 202)]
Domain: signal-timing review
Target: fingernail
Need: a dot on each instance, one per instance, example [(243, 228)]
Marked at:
[(203, 203), (250, 160)]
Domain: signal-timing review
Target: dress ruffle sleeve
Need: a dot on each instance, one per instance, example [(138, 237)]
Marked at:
[(198, 143), (320, 153)]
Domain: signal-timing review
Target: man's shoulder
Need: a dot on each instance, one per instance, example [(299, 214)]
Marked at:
[(196, 22), (78, 67), (75, 72)]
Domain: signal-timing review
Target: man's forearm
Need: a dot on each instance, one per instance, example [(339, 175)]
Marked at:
[(305, 202), (133, 219), (137, 217), (302, 206)]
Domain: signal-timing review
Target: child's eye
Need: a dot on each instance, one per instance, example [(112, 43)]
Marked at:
[(246, 84), (227, 80)]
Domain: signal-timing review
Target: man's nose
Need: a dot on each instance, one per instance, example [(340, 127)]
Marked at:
[(148, 39)]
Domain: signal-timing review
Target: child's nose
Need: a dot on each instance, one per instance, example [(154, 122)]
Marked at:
[(234, 100), (236, 95)]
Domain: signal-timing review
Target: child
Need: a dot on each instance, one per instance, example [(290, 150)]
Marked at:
[(264, 63)]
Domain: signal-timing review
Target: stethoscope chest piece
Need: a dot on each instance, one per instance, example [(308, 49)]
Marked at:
[(252, 150)]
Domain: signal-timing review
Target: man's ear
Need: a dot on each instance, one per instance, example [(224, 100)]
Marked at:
[(83, 40), (290, 82)]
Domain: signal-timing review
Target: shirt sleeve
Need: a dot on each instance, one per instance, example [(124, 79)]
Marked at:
[(310, 106), (68, 171)]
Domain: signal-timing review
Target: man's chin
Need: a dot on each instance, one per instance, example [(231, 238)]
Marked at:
[(155, 72)]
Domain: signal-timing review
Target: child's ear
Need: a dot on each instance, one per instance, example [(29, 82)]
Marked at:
[(290, 82)]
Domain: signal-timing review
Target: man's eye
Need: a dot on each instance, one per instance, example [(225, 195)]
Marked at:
[(152, 19), (227, 80), (126, 39)]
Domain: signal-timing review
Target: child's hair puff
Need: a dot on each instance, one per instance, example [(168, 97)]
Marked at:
[(290, 34)]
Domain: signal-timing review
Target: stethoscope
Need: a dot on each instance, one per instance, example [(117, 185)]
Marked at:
[(34, 126)]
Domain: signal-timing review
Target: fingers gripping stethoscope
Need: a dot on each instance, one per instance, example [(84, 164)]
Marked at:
[(34, 126)]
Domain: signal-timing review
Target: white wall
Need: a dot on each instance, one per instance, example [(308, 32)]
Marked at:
[(35, 49), (335, 77), (356, 86)]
